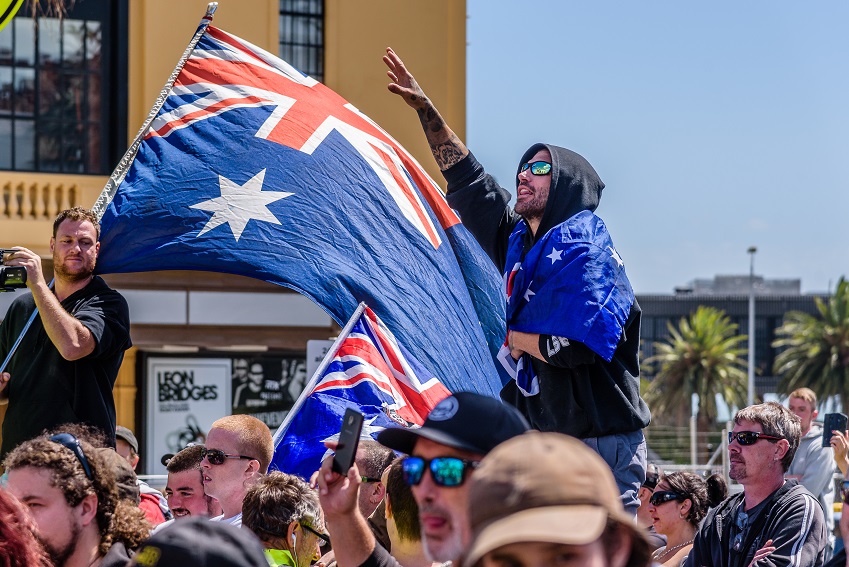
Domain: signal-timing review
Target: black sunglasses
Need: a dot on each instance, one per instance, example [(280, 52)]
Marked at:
[(323, 539), (445, 471), (537, 167), (750, 437), (70, 442), (217, 456), (664, 496)]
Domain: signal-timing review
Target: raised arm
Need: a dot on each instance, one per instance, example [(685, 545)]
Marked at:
[(446, 147)]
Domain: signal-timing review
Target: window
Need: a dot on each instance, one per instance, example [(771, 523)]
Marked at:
[(63, 90), (302, 35)]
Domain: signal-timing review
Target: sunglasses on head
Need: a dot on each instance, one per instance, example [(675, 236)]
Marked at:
[(70, 442), (445, 471), (537, 167), (750, 437), (217, 456), (664, 496)]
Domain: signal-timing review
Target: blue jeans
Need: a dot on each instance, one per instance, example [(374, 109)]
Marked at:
[(625, 454)]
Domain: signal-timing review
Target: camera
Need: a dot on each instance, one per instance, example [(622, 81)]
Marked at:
[(11, 277)]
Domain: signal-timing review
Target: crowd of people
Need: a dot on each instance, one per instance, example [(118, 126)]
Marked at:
[(552, 474)]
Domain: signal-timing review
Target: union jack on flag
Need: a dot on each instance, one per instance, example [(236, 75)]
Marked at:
[(252, 168), (366, 370)]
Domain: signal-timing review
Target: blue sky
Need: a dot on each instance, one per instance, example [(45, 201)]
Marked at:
[(715, 126)]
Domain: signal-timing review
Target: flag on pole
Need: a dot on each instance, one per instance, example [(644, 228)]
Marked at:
[(366, 370), (247, 166)]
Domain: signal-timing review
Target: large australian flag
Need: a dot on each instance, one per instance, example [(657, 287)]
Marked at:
[(250, 167)]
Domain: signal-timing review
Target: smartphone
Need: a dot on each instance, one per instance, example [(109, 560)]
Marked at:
[(349, 439), (832, 422), (845, 493)]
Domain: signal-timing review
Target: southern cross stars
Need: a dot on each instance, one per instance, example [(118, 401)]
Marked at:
[(555, 255), (615, 255), (240, 203)]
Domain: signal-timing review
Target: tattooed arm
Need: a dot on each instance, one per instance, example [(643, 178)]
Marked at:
[(446, 147)]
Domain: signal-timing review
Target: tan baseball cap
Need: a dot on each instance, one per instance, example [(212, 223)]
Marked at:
[(542, 487)]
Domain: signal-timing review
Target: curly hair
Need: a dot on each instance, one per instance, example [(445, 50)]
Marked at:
[(76, 214), (275, 501), (18, 545), (69, 477)]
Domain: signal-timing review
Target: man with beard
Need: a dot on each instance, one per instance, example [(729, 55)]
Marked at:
[(774, 521), (573, 324), (71, 493), (443, 454), (66, 365)]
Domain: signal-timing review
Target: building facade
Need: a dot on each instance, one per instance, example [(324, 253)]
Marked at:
[(73, 94), (773, 299)]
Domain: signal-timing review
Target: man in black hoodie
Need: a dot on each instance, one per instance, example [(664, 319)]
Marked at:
[(583, 382)]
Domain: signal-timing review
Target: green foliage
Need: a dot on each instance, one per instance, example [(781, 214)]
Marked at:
[(702, 356), (816, 352)]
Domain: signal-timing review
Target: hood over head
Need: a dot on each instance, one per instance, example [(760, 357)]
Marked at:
[(575, 186)]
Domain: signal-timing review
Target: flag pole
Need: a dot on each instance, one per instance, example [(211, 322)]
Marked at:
[(123, 166), (313, 381), (120, 171)]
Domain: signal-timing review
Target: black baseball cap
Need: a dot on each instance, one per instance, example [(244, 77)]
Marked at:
[(465, 421), (199, 542)]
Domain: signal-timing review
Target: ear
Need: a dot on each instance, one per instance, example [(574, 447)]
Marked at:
[(52, 244), (135, 461), (814, 414), (378, 492), (290, 531), (781, 448), (87, 509), (387, 512), (686, 505)]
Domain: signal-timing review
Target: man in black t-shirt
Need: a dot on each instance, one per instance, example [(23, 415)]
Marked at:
[(67, 362)]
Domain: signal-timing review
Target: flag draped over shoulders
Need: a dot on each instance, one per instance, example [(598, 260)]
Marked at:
[(252, 168), (571, 283)]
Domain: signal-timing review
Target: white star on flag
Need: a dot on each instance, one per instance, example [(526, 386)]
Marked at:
[(240, 203), (555, 255), (615, 255), (528, 292)]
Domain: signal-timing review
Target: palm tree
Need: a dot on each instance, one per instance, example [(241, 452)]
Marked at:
[(817, 353), (703, 356)]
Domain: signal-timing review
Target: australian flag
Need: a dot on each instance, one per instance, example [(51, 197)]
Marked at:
[(571, 284), (250, 167), (366, 370)]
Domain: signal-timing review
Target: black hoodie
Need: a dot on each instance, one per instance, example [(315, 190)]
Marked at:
[(580, 393)]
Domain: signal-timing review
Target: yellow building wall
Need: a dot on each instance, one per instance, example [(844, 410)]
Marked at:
[(430, 37)]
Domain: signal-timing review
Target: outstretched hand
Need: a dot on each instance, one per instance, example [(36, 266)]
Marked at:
[(337, 493), (762, 552), (840, 444), (403, 83)]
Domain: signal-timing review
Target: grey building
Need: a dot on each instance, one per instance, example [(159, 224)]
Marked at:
[(773, 298)]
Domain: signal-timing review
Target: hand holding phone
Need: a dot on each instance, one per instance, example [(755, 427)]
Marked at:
[(832, 422), (349, 439)]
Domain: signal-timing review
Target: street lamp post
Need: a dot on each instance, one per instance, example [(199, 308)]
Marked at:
[(751, 251)]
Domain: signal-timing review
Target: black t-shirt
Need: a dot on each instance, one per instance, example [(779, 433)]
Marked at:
[(46, 390)]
